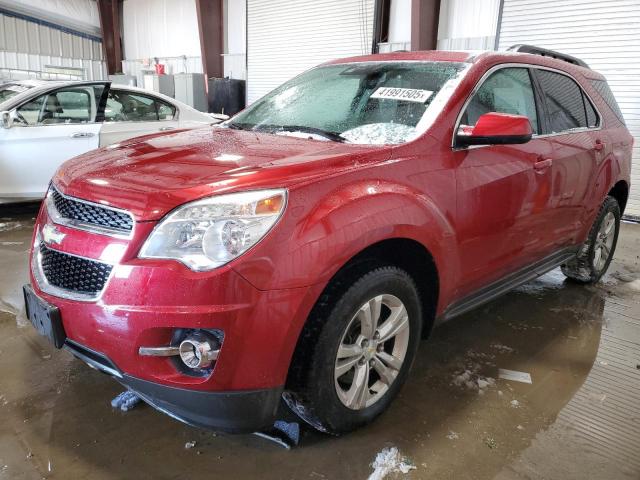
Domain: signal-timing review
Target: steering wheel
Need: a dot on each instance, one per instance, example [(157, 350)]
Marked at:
[(21, 118)]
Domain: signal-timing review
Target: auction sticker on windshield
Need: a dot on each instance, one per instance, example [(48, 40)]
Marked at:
[(402, 94)]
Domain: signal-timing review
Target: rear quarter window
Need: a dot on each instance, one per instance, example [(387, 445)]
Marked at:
[(592, 115), (603, 89)]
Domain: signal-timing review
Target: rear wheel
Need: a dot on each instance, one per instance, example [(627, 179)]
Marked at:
[(356, 350), (595, 255)]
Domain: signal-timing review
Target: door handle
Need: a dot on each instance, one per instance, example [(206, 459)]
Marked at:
[(542, 164), (165, 129), (599, 146), (82, 135)]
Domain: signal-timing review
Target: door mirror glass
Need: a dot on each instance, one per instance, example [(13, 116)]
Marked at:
[(6, 120), (496, 129)]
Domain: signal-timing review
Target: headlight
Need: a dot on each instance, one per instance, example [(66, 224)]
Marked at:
[(208, 233)]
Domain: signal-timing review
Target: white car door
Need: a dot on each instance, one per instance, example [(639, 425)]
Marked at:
[(131, 114), (47, 131)]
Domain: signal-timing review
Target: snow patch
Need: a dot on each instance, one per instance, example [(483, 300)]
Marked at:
[(635, 285), (389, 460), (7, 226), (472, 380), (380, 134), (502, 348), (550, 281)]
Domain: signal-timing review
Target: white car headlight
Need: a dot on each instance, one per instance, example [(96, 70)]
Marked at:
[(208, 233)]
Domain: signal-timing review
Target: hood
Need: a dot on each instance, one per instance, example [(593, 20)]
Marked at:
[(149, 176)]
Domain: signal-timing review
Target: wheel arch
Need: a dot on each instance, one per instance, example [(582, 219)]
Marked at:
[(620, 191), (405, 253), (411, 256)]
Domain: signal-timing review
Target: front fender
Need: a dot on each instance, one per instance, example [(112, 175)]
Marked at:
[(320, 233)]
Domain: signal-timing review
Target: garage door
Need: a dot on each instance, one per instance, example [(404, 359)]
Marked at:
[(285, 38), (604, 34)]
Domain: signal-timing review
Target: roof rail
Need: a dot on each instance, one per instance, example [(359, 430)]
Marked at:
[(547, 53)]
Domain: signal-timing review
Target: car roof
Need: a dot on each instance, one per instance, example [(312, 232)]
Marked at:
[(26, 83), (472, 57), (420, 56), (41, 86)]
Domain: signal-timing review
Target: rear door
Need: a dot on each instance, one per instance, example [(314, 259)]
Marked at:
[(131, 114), (47, 131), (503, 191), (573, 127)]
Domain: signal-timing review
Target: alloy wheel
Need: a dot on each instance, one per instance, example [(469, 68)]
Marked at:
[(604, 241), (372, 351)]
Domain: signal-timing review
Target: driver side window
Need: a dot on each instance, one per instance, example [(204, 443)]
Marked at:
[(66, 106), (509, 90), (29, 113)]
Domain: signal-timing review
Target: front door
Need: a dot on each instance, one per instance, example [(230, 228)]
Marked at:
[(47, 131), (503, 191)]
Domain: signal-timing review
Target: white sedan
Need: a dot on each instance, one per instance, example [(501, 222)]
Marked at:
[(45, 123)]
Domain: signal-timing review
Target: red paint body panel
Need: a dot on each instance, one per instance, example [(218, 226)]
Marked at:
[(153, 175), (480, 212)]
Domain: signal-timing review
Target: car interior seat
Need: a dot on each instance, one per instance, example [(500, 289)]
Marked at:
[(52, 109)]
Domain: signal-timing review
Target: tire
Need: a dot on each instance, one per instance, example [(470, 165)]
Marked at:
[(589, 265), (331, 393)]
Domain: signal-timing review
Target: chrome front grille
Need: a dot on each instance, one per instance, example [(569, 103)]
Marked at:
[(74, 274), (84, 215)]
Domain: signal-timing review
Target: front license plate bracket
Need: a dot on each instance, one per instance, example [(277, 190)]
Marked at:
[(44, 317)]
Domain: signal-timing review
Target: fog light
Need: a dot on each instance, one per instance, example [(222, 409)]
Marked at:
[(197, 354)]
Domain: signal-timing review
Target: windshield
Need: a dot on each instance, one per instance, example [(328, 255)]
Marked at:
[(11, 90), (366, 103)]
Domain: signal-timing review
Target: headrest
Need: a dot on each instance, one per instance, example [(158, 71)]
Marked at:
[(53, 104)]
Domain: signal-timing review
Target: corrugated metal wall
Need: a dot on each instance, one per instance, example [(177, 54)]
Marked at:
[(27, 47), (604, 34), (285, 38)]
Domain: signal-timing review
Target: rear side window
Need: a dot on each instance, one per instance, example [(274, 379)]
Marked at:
[(509, 90), (602, 87), (564, 100), (123, 106)]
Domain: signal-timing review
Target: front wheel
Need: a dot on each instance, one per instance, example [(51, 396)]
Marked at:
[(595, 255), (356, 350)]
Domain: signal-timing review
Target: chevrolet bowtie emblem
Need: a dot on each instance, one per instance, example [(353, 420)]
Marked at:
[(51, 234)]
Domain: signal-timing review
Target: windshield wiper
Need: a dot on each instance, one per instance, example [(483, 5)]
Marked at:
[(239, 126), (336, 137)]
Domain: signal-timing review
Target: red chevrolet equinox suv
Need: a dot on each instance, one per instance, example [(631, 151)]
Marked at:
[(300, 250)]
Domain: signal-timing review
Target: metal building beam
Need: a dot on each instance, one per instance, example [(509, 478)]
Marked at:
[(211, 28), (109, 12), (425, 15), (381, 14)]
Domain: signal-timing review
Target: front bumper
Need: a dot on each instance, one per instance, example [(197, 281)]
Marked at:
[(144, 302), (233, 412)]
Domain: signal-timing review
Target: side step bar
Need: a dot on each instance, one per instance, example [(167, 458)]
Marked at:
[(508, 283)]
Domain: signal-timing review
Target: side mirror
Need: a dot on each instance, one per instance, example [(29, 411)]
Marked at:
[(6, 120), (496, 129)]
